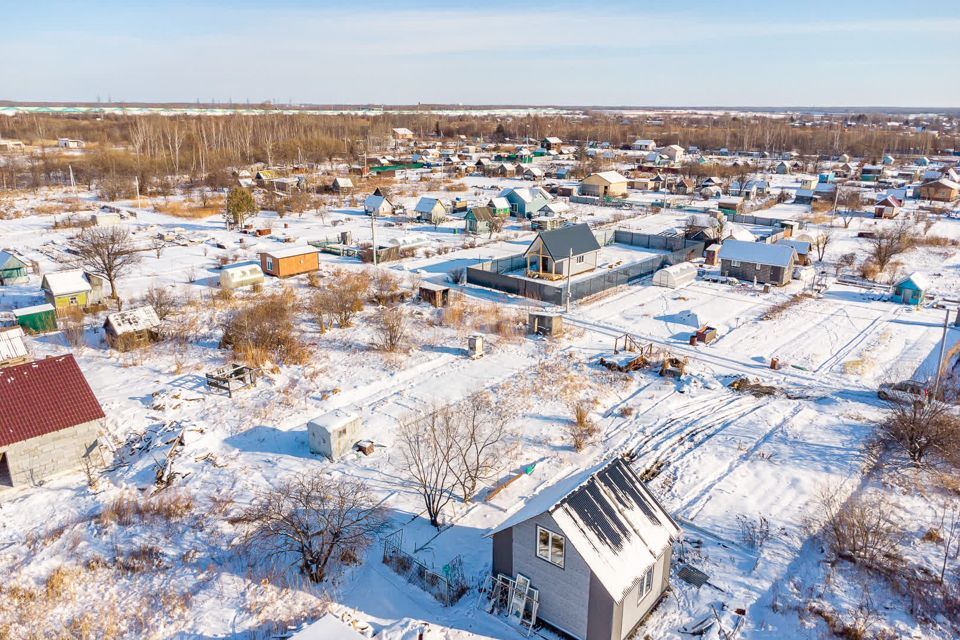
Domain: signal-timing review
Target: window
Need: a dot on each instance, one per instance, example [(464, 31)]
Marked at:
[(269, 264), (550, 546), (646, 583), (579, 259), (734, 263)]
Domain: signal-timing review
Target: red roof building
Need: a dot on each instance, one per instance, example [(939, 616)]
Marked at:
[(50, 419)]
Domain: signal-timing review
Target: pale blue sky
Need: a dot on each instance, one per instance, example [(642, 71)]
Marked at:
[(770, 53)]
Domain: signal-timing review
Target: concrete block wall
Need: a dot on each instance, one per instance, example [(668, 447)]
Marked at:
[(44, 456)]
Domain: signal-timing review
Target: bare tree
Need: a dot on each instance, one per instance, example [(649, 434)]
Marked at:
[(921, 426), (848, 204), (342, 298), (107, 252), (886, 244), (949, 534), (494, 226), (426, 446), (391, 329), (478, 447), (822, 241), (162, 299), (158, 244), (322, 521), (847, 261), (859, 528)]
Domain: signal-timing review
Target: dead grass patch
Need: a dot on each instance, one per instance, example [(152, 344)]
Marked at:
[(190, 209), (128, 508)]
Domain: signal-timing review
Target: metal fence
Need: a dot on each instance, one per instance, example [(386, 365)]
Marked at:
[(764, 221), (493, 274), (446, 587)]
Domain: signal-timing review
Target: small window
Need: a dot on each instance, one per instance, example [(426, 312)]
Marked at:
[(734, 263), (550, 546), (580, 258), (646, 584)]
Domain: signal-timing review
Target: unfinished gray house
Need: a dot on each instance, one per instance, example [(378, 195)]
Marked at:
[(765, 263), (50, 420), (562, 252), (593, 551)]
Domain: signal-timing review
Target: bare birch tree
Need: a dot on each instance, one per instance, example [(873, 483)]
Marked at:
[(425, 446), (107, 252)]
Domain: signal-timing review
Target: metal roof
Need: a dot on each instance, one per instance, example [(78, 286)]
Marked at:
[(290, 252), (43, 397), (61, 283), (778, 255), (577, 238)]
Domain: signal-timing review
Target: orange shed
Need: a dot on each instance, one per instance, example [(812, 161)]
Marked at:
[(291, 261)]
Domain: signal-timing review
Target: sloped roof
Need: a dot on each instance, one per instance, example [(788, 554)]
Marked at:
[(499, 203), (482, 214), (610, 177), (802, 247), (777, 255), (43, 397), (12, 346), (290, 252), (918, 279), (10, 261), (426, 205), (610, 517), (328, 628), (560, 242), (133, 320), (62, 283), (342, 182)]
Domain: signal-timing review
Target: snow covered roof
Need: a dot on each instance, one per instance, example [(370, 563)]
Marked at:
[(499, 203), (802, 247), (133, 320), (61, 283), (778, 255), (329, 627), (611, 177), (402, 131), (426, 205), (334, 420), (37, 308), (290, 252), (527, 194), (944, 182), (553, 140), (611, 519), (12, 346), (7, 258), (919, 280)]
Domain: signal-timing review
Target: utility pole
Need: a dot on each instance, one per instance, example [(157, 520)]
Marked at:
[(136, 181), (373, 232), (569, 271), (943, 348)]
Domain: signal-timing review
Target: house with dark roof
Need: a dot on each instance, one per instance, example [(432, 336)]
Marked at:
[(479, 220), (50, 422), (562, 252), (765, 263), (594, 551)]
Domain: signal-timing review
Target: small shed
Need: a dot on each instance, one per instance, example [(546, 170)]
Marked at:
[(241, 274), (342, 185), (65, 289), (912, 289), (802, 247), (133, 327), (479, 219), (675, 276), (436, 294), (431, 210), (39, 318), (378, 205), (291, 261), (333, 434), (545, 323), (13, 270), (13, 350), (711, 255)]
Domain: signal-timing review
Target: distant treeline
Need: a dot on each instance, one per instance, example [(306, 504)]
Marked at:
[(159, 150)]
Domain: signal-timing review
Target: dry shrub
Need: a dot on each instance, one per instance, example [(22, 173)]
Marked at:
[(387, 289), (778, 309), (869, 270), (582, 429), (264, 330), (188, 208), (127, 509), (143, 557), (73, 327), (60, 580), (457, 187), (454, 314), (223, 296), (859, 529), (391, 330), (341, 299), (162, 299)]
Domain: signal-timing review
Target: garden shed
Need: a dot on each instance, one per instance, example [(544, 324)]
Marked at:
[(39, 318), (436, 294), (13, 270), (675, 276), (241, 274), (912, 289), (333, 434), (130, 328), (13, 350)]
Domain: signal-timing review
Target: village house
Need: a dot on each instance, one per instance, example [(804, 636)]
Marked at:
[(673, 153), (378, 206), (562, 252), (431, 210), (50, 421), (911, 289), (500, 206), (641, 144), (594, 550), (479, 220), (72, 289), (13, 270), (551, 143), (887, 207), (871, 172), (782, 168), (942, 190), (606, 184), (526, 202), (730, 204), (402, 133), (291, 261), (342, 185), (802, 247), (533, 173), (765, 263), (131, 328)]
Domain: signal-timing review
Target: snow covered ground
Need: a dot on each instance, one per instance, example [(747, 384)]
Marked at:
[(715, 456)]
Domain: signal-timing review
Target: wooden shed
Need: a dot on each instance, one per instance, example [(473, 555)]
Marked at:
[(40, 318), (131, 328), (292, 261), (545, 323), (13, 350), (912, 289), (436, 294), (13, 270)]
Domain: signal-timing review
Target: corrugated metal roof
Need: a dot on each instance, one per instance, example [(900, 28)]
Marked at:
[(290, 252), (61, 283), (12, 346), (778, 255), (43, 397), (560, 242)]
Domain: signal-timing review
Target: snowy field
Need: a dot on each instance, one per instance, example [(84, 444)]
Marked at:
[(713, 455)]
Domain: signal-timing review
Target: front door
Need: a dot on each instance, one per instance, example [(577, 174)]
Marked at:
[(544, 264), (6, 480)]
